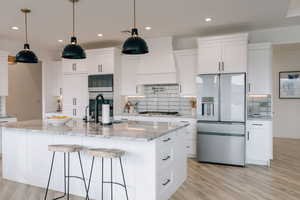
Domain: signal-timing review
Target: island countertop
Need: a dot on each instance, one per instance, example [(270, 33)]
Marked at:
[(131, 130)]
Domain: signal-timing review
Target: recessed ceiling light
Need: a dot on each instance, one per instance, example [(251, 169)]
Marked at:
[(208, 19), (100, 35), (148, 28), (60, 41), (15, 28)]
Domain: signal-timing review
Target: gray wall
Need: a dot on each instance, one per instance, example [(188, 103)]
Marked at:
[(25, 91), (287, 111)]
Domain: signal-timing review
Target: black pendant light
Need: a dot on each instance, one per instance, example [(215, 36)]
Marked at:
[(73, 50), (135, 45), (26, 55)]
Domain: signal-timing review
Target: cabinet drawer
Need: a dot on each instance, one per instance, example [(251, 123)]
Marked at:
[(165, 157), (165, 182), (166, 140), (77, 66), (258, 125)]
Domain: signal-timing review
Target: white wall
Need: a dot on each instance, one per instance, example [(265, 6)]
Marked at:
[(286, 111)]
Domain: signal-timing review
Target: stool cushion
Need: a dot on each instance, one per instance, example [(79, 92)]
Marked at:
[(67, 148), (106, 153)]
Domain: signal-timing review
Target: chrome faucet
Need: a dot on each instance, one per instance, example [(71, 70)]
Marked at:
[(97, 108)]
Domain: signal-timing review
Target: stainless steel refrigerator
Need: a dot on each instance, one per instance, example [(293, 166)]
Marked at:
[(221, 108)]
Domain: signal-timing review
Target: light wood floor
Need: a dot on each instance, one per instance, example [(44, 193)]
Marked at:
[(215, 182)]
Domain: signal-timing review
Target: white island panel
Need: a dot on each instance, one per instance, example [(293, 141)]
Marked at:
[(154, 169)]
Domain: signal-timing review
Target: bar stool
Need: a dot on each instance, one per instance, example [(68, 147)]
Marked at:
[(66, 149), (110, 154)]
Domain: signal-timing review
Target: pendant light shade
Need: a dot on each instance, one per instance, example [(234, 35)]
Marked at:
[(26, 55), (135, 45), (73, 50)]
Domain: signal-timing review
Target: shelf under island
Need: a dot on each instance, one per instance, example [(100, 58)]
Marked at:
[(155, 163)]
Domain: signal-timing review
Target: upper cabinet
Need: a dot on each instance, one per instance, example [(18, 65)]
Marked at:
[(260, 68), (3, 73), (129, 67), (101, 61), (186, 64), (74, 66), (222, 54)]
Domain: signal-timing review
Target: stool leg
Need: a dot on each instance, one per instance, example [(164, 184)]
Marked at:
[(49, 175), (123, 177), (68, 191), (89, 184), (86, 189), (102, 178), (111, 180)]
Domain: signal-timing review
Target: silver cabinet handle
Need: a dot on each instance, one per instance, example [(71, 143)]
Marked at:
[(167, 182), (249, 87), (60, 91), (167, 140), (223, 66), (74, 67), (74, 112), (248, 135), (99, 68), (180, 88), (136, 90), (3, 122), (219, 64), (74, 101), (257, 124), (166, 158)]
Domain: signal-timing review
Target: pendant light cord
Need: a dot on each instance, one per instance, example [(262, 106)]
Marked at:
[(73, 18), (134, 15), (26, 31)]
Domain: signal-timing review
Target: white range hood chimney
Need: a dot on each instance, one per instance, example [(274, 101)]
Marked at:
[(158, 66)]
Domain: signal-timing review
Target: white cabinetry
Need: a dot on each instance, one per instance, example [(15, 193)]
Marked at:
[(3, 73), (222, 54), (259, 145), (190, 131), (101, 61), (186, 63), (129, 68), (75, 94), (74, 66), (260, 68)]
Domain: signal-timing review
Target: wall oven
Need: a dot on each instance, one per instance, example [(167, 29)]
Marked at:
[(100, 84)]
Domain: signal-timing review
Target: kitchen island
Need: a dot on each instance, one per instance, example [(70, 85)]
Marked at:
[(155, 163)]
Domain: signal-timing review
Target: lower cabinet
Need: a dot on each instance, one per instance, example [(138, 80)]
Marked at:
[(190, 132), (259, 143)]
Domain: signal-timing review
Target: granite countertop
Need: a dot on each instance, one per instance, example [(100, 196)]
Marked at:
[(132, 130)]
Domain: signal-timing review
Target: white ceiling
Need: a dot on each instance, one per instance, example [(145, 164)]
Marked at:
[(50, 20)]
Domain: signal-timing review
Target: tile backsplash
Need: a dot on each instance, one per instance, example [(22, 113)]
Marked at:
[(163, 98), (2, 106), (260, 105)]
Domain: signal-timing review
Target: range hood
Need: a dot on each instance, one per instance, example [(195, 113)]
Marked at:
[(158, 66)]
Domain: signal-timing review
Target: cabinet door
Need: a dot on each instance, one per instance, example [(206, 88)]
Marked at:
[(234, 56), (128, 75), (3, 76), (209, 58), (258, 143), (186, 67), (101, 63), (75, 94), (259, 71), (74, 66)]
